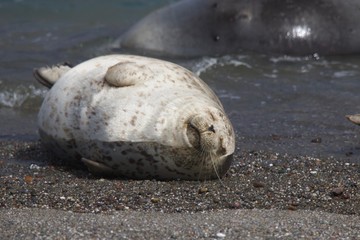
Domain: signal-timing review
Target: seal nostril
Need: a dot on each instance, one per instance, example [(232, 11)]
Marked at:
[(211, 129)]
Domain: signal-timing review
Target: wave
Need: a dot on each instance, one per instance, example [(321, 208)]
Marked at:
[(17, 97), (311, 68), (204, 64)]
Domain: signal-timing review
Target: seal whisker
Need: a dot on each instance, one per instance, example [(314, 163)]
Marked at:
[(216, 172), (202, 159)]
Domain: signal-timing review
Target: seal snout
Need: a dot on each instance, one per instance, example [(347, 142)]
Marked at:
[(206, 134)]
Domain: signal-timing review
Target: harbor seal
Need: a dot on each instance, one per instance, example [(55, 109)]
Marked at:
[(216, 27), (135, 117)]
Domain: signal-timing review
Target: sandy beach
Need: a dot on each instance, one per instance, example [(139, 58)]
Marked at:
[(264, 195)]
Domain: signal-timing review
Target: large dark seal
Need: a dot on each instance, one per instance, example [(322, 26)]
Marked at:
[(213, 27)]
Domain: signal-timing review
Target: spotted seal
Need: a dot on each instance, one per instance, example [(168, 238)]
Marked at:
[(216, 27), (135, 117)]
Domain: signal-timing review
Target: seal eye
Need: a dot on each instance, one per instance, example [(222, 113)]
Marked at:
[(211, 129), (193, 135)]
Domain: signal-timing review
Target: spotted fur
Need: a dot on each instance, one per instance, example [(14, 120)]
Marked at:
[(136, 117)]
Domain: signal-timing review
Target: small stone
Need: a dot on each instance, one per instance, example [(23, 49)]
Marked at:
[(119, 207), (258, 184), (34, 167), (220, 235), (235, 205), (337, 191), (71, 199), (203, 190), (275, 137), (155, 200), (292, 208), (316, 140), (345, 196), (28, 179)]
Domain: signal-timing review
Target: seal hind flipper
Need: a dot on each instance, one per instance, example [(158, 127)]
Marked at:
[(126, 74), (47, 76), (97, 168), (354, 118)]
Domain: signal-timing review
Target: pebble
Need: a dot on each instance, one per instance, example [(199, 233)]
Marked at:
[(220, 235), (337, 191), (34, 167), (155, 200), (203, 190), (258, 184)]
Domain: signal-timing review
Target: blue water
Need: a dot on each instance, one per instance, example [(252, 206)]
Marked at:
[(276, 103)]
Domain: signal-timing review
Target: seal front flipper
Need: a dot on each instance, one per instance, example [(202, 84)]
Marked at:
[(125, 74), (97, 168), (47, 76), (354, 118)]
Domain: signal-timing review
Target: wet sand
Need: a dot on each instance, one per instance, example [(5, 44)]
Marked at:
[(263, 195)]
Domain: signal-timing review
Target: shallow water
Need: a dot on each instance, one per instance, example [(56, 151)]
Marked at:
[(277, 103)]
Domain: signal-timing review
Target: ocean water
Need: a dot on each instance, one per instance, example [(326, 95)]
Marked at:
[(277, 103)]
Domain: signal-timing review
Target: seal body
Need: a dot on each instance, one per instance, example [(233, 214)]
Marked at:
[(213, 27), (135, 117)]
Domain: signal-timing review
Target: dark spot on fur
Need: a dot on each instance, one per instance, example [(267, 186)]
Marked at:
[(133, 120)]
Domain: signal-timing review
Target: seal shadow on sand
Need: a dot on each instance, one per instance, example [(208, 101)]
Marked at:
[(35, 154)]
